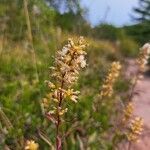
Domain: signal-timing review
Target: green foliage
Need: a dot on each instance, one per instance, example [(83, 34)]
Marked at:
[(12, 13), (128, 47), (139, 32), (106, 31), (143, 11)]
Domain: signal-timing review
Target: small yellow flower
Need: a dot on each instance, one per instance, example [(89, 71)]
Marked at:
[(128, 111), (51, 85), (72, 95), (31, 145), (135, 129), (45, 103), (62, 111), (143, 56), (113, 73), (69, 92)]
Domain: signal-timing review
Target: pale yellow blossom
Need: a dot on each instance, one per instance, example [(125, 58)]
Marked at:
[(143, 56), (128, 111), (135, 129), (31, 145), (113, 74)]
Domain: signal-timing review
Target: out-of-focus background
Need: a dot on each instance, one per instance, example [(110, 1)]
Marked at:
[(30, 33)]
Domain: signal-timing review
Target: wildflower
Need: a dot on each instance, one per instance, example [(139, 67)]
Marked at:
[(65, 72), (62, 111), (72, 95), (45, 103), (81, 60), (31, 145), (128, 111), (135, 129), (68, 63), (50, 85), (143, 56), (65, 49), (113, 73)]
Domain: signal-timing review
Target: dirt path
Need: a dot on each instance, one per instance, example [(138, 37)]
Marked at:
[(142, 106)]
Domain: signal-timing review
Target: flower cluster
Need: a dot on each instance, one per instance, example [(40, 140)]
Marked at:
[(107, 87), (31, 145), (132, 126), (143, 56), (128, 111), (135, 129), (68, 63)]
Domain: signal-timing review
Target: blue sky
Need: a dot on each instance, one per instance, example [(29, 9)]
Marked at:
[(118, 13)]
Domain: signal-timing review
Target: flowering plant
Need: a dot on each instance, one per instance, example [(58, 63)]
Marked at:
[(68, 62)]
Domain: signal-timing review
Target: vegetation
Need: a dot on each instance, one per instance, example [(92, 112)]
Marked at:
[(31, 33), (140, 32), (143, 11)]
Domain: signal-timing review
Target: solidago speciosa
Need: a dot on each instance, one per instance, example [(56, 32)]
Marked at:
[(64, 74)]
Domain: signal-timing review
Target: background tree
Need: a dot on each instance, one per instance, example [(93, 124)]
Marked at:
[(140, 31), (65, 5), (142, 11)]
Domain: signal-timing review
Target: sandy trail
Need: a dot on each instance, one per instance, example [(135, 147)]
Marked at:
[(142, 107)]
